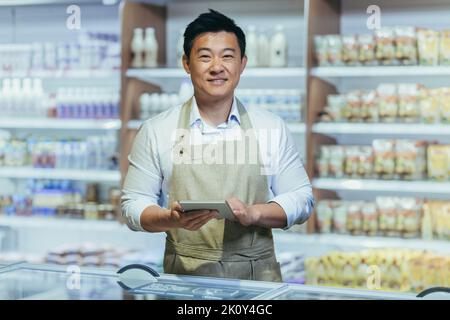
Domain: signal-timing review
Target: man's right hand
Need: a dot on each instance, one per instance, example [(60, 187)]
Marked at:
[(193, 220)]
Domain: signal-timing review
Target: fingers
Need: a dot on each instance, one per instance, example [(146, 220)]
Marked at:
[(196, 224), (192, 215)]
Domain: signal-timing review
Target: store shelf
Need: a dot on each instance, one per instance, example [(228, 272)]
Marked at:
[(380, 71), (66, 124), (419, 187), (60, 174), (60, 74), (296, 128), (382, 128), (56, 222), (169, 73), (344, 242)]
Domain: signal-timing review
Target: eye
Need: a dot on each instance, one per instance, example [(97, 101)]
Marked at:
[(228, 56)]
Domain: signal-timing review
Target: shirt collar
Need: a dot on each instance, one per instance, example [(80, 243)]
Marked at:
[(196, 118)]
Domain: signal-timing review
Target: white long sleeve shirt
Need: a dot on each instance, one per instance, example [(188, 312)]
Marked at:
[(148, 178)]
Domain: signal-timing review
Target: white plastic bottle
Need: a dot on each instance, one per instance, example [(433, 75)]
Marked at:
[(150, 49), (154, 104), (29, 100), (16, 98), (263, 49), (252, 47), (144, 102), (137, 48), (180, 49), (278, 48), (6, 97)]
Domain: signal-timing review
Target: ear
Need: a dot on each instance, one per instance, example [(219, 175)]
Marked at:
[(186, 64), (243, 63)]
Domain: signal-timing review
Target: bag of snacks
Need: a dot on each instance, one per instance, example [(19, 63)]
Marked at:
[(438, 162), (352, 110), (370, 218), (369, 106), (410, 159), (334, 49), (350, 50), (429, 105), (444, 103), (385, 45), (335, 106), (339, 217), (428, 47), (351, 163), (387, 102), (367, 50), (444, 48), (336, 163), (365, 163), (387, 212), (409, 212), (324, 216), (354, 218), (406, 45), (323, 161), (408, 102), (384, 158), (321, 50)]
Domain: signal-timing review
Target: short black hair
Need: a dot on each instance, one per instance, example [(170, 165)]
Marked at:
[(212, 21)]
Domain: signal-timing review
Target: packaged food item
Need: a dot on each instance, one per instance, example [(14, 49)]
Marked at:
[(350, 50), (384, 158), (387, 211), (334, 48), (321, 50), (439, 212), (408, 102), (438, 162), (426, 227), (335, 106), (429, 105), (339, 217), (323, 162), (428, 47), (367, 50), (408, 216), (324, 216), (336, 163), (387, 102), (351, 163), (444, 48), (370, 218), (365, 163), (354, 218), (444, 103), (410, 159), (352, 110), (369, 106), (385, 45), (405, 44)]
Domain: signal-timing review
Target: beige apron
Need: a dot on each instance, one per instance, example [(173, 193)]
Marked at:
[(220, 248)]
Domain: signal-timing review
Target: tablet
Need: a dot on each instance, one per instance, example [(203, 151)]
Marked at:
[(220, 205)]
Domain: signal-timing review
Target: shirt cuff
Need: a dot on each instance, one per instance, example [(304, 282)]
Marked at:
[(133, 214), (297, 212)]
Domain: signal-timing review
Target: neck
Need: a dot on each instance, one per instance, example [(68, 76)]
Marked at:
[(214, 112)]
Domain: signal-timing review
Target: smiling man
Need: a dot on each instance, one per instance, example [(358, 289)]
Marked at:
[(199, 243)]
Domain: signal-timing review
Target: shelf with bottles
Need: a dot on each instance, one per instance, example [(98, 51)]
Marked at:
[(21, 98), (62, 199), (92, 54), (41, 156)]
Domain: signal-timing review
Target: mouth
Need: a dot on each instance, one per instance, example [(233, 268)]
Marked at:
[(217, 81)]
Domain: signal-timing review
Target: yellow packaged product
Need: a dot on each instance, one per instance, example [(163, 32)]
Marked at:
[(438, 162), (444, 48), (428, 47), (429, 105)]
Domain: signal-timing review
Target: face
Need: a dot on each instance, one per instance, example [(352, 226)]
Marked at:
[(215, 65)]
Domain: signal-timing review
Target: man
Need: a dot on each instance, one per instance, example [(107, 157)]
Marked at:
[(198, 243)]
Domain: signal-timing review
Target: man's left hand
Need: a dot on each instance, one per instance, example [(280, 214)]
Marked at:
[(246, 215)]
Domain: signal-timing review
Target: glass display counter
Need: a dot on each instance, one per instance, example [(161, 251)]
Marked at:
[(29, 281)]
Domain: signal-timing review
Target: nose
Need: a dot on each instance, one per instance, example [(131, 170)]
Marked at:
[(216, 66)]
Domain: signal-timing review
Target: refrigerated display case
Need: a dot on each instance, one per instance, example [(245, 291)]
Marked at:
[(30, 281)]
